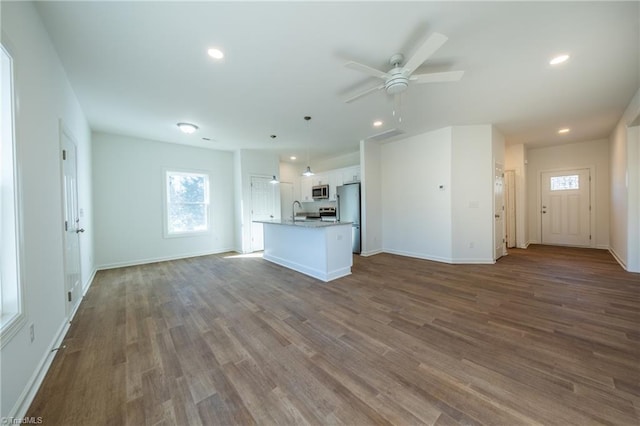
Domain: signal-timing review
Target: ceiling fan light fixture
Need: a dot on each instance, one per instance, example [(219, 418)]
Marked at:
[(187, 128), (559, 59), (397, 83), (215, 53)]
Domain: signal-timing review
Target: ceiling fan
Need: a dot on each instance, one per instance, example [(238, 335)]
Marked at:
[(397, 79)]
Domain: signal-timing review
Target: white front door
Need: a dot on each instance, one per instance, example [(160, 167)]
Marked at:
[(72, 228), (565, 205), (498, 210), (263, 202)]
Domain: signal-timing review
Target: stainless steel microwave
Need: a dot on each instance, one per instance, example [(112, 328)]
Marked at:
[(319, 192)]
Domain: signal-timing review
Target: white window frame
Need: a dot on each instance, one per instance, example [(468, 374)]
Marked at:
[(175, 171), (12, 311)]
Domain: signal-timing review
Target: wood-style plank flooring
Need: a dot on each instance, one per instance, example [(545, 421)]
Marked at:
[(547, 336)]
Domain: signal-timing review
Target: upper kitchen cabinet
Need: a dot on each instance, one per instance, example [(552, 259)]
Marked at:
[(351, 174), (306, 183), (333, 178), (320, 179)]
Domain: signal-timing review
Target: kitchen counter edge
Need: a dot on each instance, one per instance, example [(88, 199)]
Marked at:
[(304, 224)]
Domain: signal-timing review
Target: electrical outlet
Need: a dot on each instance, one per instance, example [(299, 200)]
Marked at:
[(32, 332)]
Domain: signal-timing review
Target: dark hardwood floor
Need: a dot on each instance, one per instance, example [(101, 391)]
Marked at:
[(548, 336)]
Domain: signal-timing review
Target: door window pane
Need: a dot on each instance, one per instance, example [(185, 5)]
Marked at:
[(562, 183)]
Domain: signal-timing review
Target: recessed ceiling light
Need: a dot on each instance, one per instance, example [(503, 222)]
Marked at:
[(187, 128), (293, 157), (377, 123), (559, 59), (215, 53), (565, 130)]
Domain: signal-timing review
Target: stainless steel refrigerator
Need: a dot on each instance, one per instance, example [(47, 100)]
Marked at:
[(349, 210)]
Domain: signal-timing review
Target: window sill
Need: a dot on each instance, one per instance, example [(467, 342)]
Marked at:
[(10, 324)]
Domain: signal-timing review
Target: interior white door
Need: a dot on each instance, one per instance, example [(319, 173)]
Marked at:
[(565, 209), (510, 207), (498, 210), (72, 229), (263, 203)]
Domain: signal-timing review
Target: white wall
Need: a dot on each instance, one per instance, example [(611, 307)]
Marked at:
[(338, 162), (590, 154), (129, 185), (624, 244), (516, 160), (472, 194), (371, 208), (633, 167), (251, 163), (416, 213), (43, 96)]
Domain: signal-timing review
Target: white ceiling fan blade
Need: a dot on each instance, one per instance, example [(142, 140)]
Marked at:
[(428, 48), (367, 70), (366, 92), (437, 77)]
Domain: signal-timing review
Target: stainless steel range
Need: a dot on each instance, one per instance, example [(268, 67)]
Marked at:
[(327, 214)]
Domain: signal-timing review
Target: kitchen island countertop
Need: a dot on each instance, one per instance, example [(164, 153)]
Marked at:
[(315, 248), (304, 223)]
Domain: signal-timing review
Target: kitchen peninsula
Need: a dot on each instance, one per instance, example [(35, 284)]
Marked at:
[(319, 249)]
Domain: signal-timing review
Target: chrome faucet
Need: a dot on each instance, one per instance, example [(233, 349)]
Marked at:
[(293, 209)]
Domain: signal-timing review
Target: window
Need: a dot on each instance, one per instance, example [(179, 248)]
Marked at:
[(11, 312), (187, 203), (563, 183)]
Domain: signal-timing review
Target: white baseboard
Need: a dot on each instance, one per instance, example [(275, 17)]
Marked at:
[(86, 285), (419, 255), (25, 399), (618, 258), (371, 252), (160, 259)]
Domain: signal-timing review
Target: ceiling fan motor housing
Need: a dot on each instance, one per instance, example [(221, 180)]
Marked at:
[(397, 82)]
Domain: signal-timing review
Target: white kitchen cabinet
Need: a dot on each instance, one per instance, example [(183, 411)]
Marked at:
[(335, 180), (305, 188), (320, 179), (351, 174)]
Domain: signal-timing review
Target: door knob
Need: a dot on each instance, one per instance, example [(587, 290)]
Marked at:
[(497, 216), (79, 230)]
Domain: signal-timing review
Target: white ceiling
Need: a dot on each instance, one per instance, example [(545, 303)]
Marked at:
[(138, 68)]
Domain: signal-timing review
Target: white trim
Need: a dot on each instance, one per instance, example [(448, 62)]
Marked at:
[(312, 272), (25, 399), (162, 259), (13, 322), (165, 202), (593, 181), (618, 258), (371, 252), (85, 286), (419, 256), (449, 260)]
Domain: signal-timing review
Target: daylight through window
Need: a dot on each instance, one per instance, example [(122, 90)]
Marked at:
[(563, 183), (187, 203), (10, 291)]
